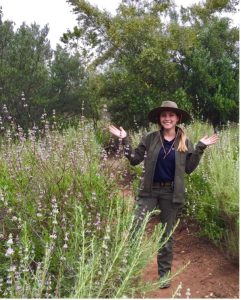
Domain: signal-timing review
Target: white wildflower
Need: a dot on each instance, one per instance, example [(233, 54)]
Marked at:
[(9, 252), (10, 240), (12, 268), (53, 236)]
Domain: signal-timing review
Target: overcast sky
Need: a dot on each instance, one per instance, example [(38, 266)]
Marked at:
[(56, 13)]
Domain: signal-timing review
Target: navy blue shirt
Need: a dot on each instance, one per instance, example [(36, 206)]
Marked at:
[(165, 168)]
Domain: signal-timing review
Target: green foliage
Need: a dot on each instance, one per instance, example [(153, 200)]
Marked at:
[(213, 189), (24, 73), (193, 58), (35, 80), (67, 80), (211, 77), (65, 228), (130, 61)]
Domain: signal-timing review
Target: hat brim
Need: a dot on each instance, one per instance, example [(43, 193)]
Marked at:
[(154, 114)]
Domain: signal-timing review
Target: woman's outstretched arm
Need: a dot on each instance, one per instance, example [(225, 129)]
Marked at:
[(194, 155), (135, 156)]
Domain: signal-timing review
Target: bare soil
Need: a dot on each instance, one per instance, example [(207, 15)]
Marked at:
[(209, 275)]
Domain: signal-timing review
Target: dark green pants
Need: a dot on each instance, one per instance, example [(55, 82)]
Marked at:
[(161, 199)]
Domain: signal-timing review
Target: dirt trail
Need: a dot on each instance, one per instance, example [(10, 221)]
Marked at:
[(209, 274)]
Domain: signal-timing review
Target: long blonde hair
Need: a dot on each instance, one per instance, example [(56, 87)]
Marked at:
[(182, 147)]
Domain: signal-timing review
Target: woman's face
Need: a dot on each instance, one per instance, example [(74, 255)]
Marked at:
[(168, 119)]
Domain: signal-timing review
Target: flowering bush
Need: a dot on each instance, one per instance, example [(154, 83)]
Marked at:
[(64, 225), (213, 189)]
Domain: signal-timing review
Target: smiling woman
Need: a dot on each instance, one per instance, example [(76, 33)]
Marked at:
[(167, 155)]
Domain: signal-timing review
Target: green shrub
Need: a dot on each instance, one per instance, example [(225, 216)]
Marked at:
[(213, 188), (65, 227)]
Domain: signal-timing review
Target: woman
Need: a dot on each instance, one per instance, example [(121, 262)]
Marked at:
[(167, 155)]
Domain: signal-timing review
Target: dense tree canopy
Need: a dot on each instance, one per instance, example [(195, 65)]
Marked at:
[(131, 61), (24, 74), (149, 52), (34, 79)]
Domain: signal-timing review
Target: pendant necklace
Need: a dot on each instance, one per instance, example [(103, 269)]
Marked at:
[(165, 152)]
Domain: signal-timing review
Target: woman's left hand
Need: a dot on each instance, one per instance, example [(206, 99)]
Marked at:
[(208, 141)]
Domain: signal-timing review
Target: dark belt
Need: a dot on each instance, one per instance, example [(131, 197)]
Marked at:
[(160, 184)]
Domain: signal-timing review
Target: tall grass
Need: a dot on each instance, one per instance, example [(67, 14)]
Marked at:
[(213, 188), (64, 225)]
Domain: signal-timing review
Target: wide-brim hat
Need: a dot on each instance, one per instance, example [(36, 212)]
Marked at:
[(154, 114)]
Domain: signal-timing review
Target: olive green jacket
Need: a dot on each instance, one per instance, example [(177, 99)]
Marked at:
[(148, 150)]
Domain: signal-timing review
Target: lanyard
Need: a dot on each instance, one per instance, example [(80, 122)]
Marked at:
[(165, 152)]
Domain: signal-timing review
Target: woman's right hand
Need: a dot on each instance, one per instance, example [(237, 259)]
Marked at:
[(120, 133)]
